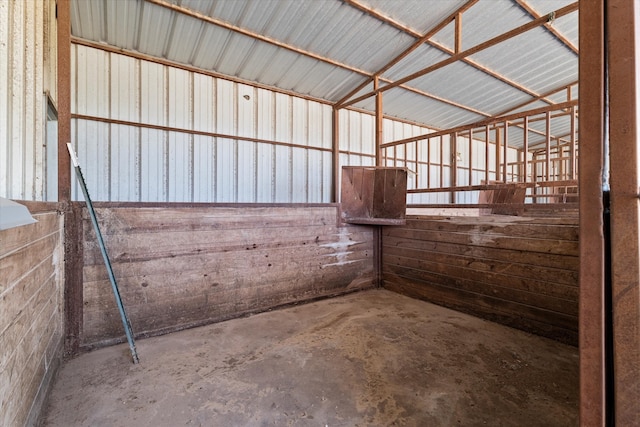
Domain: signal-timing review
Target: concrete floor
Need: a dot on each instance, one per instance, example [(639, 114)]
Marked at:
[(372, 358)]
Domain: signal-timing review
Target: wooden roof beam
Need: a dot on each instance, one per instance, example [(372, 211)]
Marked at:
[(256, 36), (531, 11), (459, 56), (421, 39), (440, 47), (481, 123), (541, 97)]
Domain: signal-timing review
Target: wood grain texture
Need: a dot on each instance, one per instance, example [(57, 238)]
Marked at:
[(522, 272), (31, 314), (182, 267)]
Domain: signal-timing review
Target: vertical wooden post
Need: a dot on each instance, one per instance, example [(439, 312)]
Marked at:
[(560, 161), (572, 149), (486, 154), (623, 50), (498, 151), (73, 296), (591, 128), (548, 147), (441, 162), (335, 145), (379, 123), (64, 98), (417, 171), (454, 165), (470, 157), (525, 148), (505, 147), (428, 162)]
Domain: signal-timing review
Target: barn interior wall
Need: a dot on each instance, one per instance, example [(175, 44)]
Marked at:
[(31, 314), (28, 70), (522, 272), (179, 267)]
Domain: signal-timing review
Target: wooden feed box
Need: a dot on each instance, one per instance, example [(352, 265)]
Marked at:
[(374, 195)]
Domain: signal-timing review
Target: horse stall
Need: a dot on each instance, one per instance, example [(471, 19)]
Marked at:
[(317, 213)]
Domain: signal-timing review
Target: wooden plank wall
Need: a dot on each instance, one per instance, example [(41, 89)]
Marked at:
[(179, 267), (31, 315), (522, 272)]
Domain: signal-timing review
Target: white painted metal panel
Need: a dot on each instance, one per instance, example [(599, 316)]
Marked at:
[(26, 71), (152, 165), (125, 159), (283, 174), (299, 172)]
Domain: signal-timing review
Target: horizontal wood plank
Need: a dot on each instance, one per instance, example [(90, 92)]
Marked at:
[(519, 271), (178, 267), (569, 262), (487, 267), (19, 237)]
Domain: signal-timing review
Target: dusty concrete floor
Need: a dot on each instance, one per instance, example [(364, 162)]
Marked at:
[(372, 358)]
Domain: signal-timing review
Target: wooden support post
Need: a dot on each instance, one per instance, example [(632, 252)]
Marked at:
[(416, 175), (454, 165), (497, 129), (379, 124), (441, 162), (470, 156), (548, 147), (572, 149), (623, 48), (428, 162), (525, 147), (486, 154), (591, 128), (505, 161), (64, 98), (335, 144), (73, 295), (560, 161)]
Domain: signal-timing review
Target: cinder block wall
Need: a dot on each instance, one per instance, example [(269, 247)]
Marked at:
[(522, 272), (31, 314), (183, 266)]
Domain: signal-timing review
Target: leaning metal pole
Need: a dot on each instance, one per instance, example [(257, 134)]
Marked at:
[(105, 256)]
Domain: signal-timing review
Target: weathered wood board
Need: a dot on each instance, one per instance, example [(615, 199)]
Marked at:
[(518, 271), (179, 267), (31, 314)]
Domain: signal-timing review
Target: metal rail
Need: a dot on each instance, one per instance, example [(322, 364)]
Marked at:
[(105, 256)]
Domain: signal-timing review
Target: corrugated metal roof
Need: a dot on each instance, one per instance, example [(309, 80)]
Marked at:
[(326, 48)]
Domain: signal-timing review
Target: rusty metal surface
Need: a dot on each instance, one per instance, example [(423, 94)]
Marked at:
[(625, 215), (592, 367), (374, 195)]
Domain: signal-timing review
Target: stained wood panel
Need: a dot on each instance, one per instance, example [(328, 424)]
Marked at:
[(31, 314), (179, 267), (519, 271)]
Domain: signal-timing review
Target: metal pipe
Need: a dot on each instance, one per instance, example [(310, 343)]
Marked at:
[(105, 256)]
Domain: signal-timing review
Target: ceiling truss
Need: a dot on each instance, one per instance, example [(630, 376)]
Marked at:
[(385, 84)]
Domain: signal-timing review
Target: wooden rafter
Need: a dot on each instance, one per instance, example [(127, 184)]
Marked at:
[(534, 14), (541, 97), (254, 35), (482, 123), (441, 48), (478, 48), (421, 40)]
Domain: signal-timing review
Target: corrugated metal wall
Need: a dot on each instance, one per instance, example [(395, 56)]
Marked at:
[(179, 161), (27, 72), (150, 132)]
